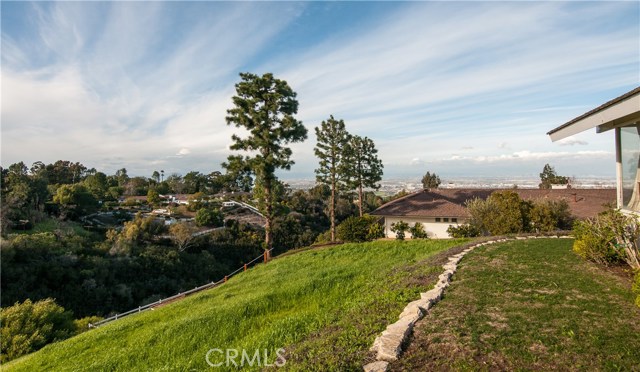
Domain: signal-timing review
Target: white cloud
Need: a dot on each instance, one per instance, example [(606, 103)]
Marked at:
[(572, 142), (528, 156), (110, 98), (417, 161)]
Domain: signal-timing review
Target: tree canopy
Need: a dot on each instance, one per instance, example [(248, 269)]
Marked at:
[(431, 181), (333, 169), (549, 177), (364, 166), (265, 107)]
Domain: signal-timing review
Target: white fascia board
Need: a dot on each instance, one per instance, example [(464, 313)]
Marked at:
[(623, 109)]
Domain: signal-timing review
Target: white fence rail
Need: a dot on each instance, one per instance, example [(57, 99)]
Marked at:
[(180, 295)]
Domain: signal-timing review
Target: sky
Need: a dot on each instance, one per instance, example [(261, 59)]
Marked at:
[(457, 88)]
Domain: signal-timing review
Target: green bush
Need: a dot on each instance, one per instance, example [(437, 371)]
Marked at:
[(463, 231), (28, 326), (610, 237), (323, 238), (376, 231), (417, 231), (594, 243), (503, 212), (549, 215), (358, 229), (209, 217), (399, 228), (131, 202), (82, 324)]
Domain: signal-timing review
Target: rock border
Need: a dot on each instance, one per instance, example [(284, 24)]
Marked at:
[(388, 345)]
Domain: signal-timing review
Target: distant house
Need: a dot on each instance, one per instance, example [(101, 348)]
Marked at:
[(437, 209), (182, 199), (622, 115)]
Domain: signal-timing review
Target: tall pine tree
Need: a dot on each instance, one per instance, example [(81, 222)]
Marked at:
[(333, 139), (265, 107), (364, 166)]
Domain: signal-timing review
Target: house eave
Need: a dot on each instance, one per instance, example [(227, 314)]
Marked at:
[(622, 111)]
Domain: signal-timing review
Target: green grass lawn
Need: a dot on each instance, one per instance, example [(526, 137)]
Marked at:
[(529, 305), (323, 306), (51, 225)]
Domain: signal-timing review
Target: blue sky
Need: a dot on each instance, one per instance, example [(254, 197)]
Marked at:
[(459, 88)]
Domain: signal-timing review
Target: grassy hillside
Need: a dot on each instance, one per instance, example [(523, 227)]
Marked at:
[(529, 305), (324, 307)]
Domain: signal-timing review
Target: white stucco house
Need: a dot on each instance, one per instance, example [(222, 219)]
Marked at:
[(621, 115), (435, 209)]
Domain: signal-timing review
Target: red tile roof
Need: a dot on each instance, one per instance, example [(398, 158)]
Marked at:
[(451, 202)]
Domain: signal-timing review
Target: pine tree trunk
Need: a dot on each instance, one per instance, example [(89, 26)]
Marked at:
[(268, 216), (333, 209), (360, 197)]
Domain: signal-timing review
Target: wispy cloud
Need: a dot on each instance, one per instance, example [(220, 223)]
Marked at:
[(148, 84), (572, 142), (133, 83), (526, 156)]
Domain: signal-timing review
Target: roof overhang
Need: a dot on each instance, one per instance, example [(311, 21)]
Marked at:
[(619, 112)]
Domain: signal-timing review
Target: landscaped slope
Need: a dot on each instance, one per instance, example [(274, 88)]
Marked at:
[(323, 306), (529, 305)]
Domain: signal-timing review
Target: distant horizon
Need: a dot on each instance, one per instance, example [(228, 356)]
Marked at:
[(445, 177)]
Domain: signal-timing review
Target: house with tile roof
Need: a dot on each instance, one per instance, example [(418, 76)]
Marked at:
[(621, 116), (437, 209)]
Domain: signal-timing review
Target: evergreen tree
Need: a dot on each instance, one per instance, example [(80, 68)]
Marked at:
[(265, 106), (549, 177), (430, 181), (364, 166), (333, 139)]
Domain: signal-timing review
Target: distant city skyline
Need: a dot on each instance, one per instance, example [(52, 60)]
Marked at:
[(456, 88)]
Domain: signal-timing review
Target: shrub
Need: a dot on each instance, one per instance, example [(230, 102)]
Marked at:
[(196, 201), (82, 324), (611, 236), (626, 230), (549, 215), (28, 326), (323, 238), (209, 217), (130, 202), (463, 231), (593, 243), (153, 197), (511, 213), (417, 231), (376, 231), (503, 212), (399, 228), (358, 229)]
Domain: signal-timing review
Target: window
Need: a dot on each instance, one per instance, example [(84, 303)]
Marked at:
[(630, 147), (437, 219), (454, 220), (446, 219)]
